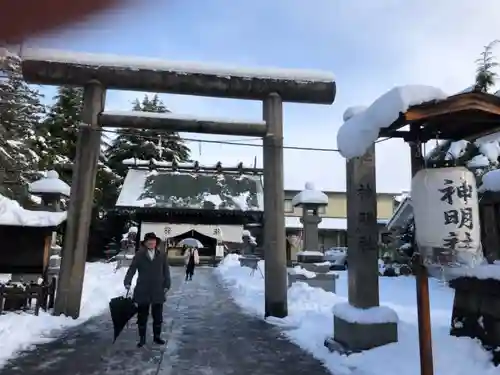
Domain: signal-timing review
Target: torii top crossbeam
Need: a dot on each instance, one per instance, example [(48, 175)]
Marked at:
[(52, 67)]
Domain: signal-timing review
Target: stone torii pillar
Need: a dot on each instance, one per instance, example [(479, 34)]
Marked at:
[(310, 200), (74, 255)]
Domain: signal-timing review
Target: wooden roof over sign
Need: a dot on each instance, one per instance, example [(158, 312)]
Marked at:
[(177, 215), (463, 116)]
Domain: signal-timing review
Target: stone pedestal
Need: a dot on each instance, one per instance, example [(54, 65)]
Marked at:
[(310, 223), (306, 257), (352, 337), (327, 282)]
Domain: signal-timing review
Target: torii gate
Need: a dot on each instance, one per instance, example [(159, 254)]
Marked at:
[(97, 73)]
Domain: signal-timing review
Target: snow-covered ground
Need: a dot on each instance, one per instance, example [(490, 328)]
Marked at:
[(310, 321), (19, 331)]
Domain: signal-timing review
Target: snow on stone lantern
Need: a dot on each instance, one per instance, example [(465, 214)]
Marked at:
[(310, 200), (51, 189), (249, 242)]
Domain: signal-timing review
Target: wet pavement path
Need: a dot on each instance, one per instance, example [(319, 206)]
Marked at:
[(206, 332)]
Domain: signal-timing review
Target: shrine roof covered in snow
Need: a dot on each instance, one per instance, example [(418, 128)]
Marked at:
[(464, 116), (190, 190), (431, 114)]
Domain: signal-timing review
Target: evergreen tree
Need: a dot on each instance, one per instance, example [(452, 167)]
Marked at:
[(57, 140), (146, 144), (486, 65), (20, 111), (472, 154), (58, 136)]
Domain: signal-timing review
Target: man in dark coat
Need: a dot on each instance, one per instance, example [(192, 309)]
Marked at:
[(153, 283)]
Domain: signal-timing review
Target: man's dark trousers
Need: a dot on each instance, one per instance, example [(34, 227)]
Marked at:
[(142, 318)]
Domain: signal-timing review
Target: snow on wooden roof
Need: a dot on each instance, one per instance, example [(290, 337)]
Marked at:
[(11, 213), (212, 191), (362, 127)]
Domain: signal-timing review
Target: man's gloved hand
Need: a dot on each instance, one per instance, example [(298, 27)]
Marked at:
[(165, 291)]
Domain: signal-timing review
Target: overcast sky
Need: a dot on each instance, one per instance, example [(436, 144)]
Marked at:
[(370, 46)]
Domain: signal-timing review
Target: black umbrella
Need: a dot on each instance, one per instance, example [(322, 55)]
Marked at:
[(122, 310)]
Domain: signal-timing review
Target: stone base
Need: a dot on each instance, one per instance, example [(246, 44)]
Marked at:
[(325, 281), (312, 267), (355, 337)]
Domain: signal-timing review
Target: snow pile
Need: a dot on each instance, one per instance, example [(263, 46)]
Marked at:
[(373, 315), (456, 150), (20, 331), (310, 322), (247, 233), (478, 161), (298, 270), (310, 196), (491, 181), (11, 213), (51, 183), (353, 111), (482, 272), (359, 132)]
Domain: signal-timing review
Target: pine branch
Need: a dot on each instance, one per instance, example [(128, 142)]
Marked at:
[(486, 75)]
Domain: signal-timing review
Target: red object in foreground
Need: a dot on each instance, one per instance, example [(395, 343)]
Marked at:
[(22, 19)]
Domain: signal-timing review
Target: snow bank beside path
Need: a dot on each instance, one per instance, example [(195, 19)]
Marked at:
[(310, 321), (20, 331)]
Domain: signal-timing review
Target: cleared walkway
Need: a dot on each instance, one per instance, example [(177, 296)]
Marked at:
[(206, 332)]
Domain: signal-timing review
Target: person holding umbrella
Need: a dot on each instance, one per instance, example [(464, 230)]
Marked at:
[(153, 283), (191, 258)]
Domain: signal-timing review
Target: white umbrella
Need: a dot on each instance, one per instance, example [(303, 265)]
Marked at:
[(190, 242)]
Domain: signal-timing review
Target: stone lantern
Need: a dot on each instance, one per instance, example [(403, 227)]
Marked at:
[(310, 200), (51, 189), (310, 258), (249, 243)]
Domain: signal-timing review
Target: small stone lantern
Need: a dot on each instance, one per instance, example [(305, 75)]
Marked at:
[(249, 243), (51, 189), (310, 200)]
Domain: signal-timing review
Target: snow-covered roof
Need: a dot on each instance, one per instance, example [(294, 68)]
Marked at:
[(353, 111), (327, 223), (402, 214), (359, 132), (310, 196), (51, 183), (213, 191), (179, 165), (11, 213), (401, 197)]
